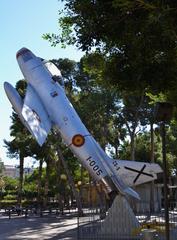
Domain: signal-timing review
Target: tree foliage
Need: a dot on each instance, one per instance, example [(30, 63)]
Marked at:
[(137, 39)]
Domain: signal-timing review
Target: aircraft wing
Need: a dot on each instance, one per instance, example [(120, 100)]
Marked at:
[(36, 116), (136, 173)]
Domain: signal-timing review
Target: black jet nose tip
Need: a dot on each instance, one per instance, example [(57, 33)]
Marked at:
[(21, 52)]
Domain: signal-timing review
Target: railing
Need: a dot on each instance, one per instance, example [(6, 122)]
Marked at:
[(12, 212), (90, 224)]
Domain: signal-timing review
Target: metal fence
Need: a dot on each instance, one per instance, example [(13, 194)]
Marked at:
[(91, 223)]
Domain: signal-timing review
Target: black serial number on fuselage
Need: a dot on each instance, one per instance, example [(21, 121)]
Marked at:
[(94, 166)]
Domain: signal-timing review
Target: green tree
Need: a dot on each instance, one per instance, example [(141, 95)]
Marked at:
[(138, 39)]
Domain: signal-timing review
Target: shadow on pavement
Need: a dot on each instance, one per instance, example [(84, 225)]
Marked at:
[(52, 228)]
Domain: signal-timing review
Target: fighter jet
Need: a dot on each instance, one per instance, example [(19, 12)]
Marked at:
[(46, 105)]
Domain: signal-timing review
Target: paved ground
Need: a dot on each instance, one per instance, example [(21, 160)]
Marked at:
[(52, 228), (49, 227)]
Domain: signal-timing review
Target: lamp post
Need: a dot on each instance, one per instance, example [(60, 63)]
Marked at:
[(63, 178), (163, 114)]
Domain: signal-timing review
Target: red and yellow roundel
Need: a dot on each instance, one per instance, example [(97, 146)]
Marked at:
[(78, 140)]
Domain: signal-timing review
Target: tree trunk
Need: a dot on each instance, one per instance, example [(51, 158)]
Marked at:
[(46, 187), (39, 200), (20, 189), (132, 146), (132, 129), (152, 142), (101, 197), (116, 146), (152, 188), (81, 186), (90, 192), (71, 181), (59, 196)]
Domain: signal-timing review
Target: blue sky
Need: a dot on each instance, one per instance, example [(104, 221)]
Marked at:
[(22, 24)]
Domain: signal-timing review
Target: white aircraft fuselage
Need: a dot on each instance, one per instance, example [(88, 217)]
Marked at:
[(46, 105)]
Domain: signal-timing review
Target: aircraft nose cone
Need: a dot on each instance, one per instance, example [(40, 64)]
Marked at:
[(22, 51)]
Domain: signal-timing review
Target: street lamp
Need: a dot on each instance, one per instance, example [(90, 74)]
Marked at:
[(163, 114), (79, 183), (63, 177)]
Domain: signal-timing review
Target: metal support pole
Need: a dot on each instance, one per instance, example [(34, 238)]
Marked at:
[(165, 179)]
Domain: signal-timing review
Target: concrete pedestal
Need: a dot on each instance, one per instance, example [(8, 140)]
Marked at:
[(120, 220)]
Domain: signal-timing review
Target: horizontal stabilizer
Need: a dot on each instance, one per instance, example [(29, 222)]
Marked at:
[(36, 116), (135, 173)]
